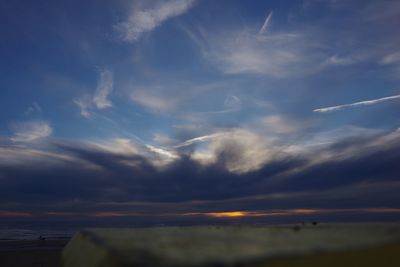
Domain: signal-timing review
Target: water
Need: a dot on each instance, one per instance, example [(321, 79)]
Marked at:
[(33, 229), (34, 234), (61, 229)]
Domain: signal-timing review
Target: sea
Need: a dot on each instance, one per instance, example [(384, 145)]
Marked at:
[(30, 234), (64, 229)]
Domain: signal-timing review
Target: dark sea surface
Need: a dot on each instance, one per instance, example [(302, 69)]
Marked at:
[(30, 234), (59, 229)]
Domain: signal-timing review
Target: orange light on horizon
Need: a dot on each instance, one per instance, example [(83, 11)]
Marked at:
[(232, 214), (228, 214), (217, 214), (235, 214)]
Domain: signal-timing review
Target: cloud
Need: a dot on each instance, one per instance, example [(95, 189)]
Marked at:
[(146, 18), (337, 60), (391, 58), (264, 27), (239, 150), (303, 47), (232, 103), (186, 100), (281, 125), (99, 99), (163, 152), (34, 108), (153, 100), (103, 89), (117, 146), (356, 104), (29, 131), (251, 51), (89, 177), (26, 157), (85, 104), (197, 140), (163, 139), (270, 55)]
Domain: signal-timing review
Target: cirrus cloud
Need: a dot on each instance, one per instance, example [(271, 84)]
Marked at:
[(99, 99), (144, 19), (29, 131)]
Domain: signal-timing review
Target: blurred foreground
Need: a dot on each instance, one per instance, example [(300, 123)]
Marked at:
[(249, 246), (300, 245)]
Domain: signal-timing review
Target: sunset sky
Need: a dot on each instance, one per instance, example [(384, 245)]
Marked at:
[(194, 109)]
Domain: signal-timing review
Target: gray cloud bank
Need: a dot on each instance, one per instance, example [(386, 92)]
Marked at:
[(79, 178)]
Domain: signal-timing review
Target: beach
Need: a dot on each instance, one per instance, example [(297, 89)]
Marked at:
[(31, 253)]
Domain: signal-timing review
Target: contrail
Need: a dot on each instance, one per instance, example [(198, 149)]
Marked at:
[(362, 103), (265, 25), (197, 140)]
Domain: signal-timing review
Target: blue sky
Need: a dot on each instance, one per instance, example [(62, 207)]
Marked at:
[(186, 100)]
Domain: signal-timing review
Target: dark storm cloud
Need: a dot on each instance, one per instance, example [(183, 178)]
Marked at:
[(351, 173)]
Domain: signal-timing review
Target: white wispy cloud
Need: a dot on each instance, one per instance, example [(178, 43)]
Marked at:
[(271, 55), (154, 100), (277, 124), (162, 152), (243, 150), (356, 104), (99, 99), (22, 155), (34, 108), (199, 139), (123, 146), (265, 25), (258, 51), (29, 131), (146, 18), (103, 89), (301, 48), (158, 156), (391, 58), (163, 139), (231, 103), (338, 60), (85, 104)]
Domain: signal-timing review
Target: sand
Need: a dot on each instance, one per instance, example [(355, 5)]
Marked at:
[(35, 253)]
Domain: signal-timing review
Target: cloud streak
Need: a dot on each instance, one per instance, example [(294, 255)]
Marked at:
[(264, 27), (146, 19), (103, 90), (99, 99), (153, 100), (30, 131), (254, 51), (198, 139), (357, 104)]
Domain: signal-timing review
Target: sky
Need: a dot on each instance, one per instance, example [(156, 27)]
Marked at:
[(199, 110)]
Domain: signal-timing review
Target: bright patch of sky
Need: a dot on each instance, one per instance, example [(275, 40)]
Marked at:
[(144, 67)]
